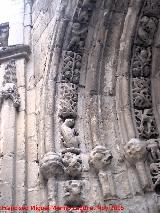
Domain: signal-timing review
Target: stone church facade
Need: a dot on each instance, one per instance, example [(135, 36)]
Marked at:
[(80, 105)]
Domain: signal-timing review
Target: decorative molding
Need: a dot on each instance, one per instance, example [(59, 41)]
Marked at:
[(69, 160), (69, 79), (140, 84), (14, 52)]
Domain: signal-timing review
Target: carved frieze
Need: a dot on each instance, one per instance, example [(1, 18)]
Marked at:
[(141, 89), (146, 30), (146, 124), (68, 101), (141, 71), (153, 149), (141, 66), (71, 67)]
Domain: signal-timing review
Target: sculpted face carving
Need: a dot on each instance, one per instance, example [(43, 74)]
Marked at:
[(135, 150), (51, 165), (69, 134), (100, 157), (73, 193), (73, 164)]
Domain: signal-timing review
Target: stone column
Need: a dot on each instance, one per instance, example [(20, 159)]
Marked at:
[(12, 119), (100, 159), (10, 101), (135, 153), (51, 166)]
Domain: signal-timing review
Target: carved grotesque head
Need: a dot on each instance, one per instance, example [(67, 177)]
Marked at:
[(51, 165), (135, 150), (100, 157), (73, 193), (73, 164)]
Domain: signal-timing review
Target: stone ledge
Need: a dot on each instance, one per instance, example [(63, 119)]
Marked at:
[(14, 52)]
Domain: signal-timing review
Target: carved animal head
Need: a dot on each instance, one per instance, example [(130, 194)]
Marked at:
[(100, 157)]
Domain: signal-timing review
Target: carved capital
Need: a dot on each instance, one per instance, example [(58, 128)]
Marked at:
[(135, 150), (10, 91), (72, 163), (51, 165), (100, 157)]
